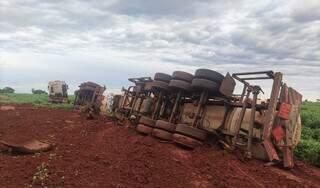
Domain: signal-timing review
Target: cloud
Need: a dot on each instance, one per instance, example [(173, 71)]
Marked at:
[(122, 38), (153, 8)]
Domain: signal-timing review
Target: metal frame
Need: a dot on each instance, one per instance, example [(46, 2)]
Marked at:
[(245, 102), (272, 105), (135, 95)]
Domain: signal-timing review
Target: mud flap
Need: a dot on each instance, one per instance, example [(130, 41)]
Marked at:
[(227, 86)]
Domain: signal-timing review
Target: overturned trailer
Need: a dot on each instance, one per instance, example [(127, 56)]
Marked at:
[(189, 109), (131, 101), (89, 97)]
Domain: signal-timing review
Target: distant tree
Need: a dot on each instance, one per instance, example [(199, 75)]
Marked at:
[(38, 91), (318, 100), (7, 90)]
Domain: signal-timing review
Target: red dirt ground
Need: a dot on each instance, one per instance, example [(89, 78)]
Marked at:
[(95, 153)]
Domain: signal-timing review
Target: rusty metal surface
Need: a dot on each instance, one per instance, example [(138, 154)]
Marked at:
[(292, 98), (270, 116), (270, 150), (237, 76), (287, 147), (256, 91), (242, 113)]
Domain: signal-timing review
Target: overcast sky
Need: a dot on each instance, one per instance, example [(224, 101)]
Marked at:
[(109, 41)]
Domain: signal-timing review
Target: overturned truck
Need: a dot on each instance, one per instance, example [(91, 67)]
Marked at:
[(192, 109), (89, 97)]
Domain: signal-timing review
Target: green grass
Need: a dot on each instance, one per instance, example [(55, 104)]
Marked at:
[(308, 149), (310, 114), (35, 99)]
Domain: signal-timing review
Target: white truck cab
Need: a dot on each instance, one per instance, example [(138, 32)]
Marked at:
[(58, 91)]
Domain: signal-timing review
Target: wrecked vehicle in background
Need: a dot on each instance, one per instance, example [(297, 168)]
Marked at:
[(89, 97), (58, 92), (191, 109)]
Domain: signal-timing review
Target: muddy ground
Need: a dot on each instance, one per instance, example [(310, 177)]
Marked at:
[(96, 153)]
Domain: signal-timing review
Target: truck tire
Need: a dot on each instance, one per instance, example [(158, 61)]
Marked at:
[(204, 84), (164, 125), (162, 77), (147, 121), (193, 132), (209, 75), (179, 85), (185, 141), (180, 75), (164, 135), (143, 129), (159, 85)]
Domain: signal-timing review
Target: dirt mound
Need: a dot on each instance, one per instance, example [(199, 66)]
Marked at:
[(95, 153)]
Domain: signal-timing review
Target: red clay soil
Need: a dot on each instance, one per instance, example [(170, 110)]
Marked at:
[(96, 153)]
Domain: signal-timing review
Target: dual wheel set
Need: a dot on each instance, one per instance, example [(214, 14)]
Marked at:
[(204, 85), (182, 134)]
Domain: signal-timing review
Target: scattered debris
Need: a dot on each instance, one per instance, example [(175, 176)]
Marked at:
[(5, 108), (41, 175), (28, 147), (69, 121)]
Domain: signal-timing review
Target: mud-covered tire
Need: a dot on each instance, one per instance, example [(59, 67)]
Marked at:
[(209, 75), (143, 129), (180, 75), (164, 135), (185, 141), (164, 125), (204, 84), (147, 121), (179, 85), (159, 85), (162, 77), (193, 132)]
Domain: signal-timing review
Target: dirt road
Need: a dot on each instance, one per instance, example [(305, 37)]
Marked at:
[(95, 153)]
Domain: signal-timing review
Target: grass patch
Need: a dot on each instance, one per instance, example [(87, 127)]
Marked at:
[(308, 149), (40, 100)]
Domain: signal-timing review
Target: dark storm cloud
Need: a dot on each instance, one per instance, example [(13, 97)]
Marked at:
[(222, 35)]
